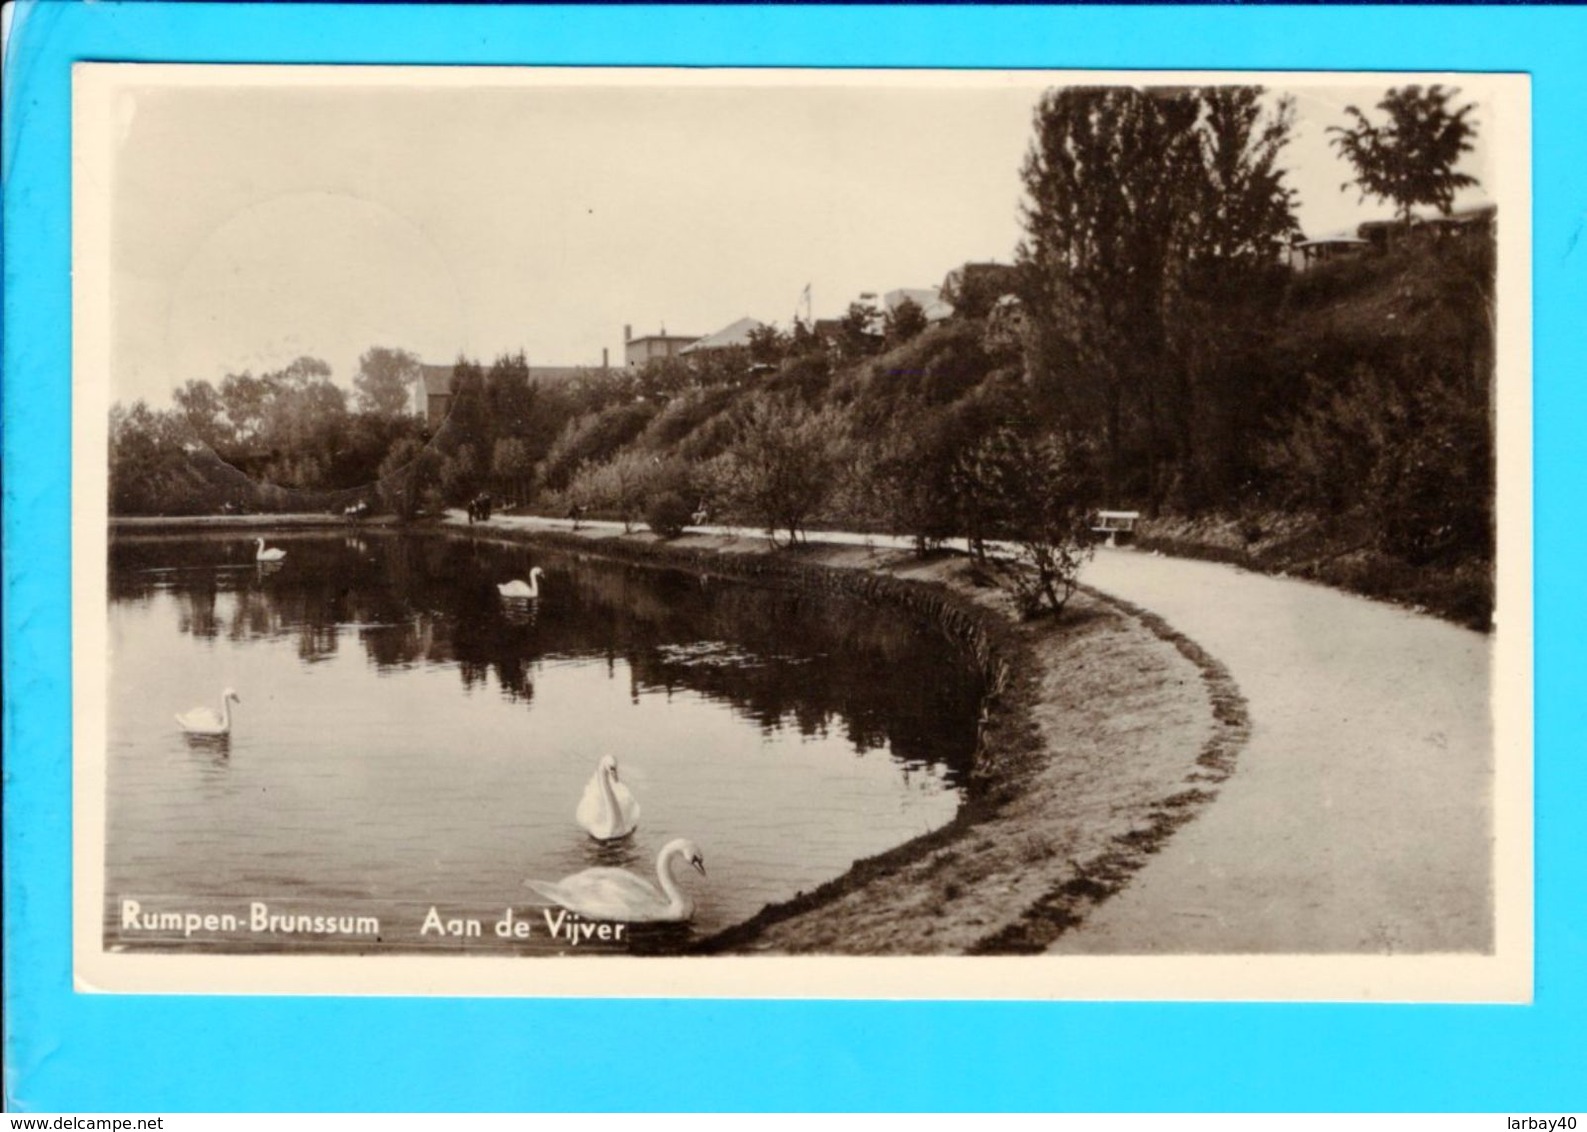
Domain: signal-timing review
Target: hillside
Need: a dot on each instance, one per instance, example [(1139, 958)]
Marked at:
[(1334, 424), (1361, 454)]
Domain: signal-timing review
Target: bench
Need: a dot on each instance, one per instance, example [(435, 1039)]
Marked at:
[(1115, 523)]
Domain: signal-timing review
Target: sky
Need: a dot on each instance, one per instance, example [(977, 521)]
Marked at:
[(487, 212)]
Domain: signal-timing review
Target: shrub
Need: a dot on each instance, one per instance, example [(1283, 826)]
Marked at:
[(668, 514)]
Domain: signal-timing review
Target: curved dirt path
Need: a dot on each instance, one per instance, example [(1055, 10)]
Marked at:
[(1360, 814)]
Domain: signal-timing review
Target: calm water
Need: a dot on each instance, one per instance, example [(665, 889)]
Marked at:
[(407, 738)]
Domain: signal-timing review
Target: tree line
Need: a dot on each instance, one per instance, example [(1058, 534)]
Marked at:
[(1149, 348)]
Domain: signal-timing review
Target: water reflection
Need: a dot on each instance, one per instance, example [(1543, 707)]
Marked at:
[(407, 737), (780, 658)]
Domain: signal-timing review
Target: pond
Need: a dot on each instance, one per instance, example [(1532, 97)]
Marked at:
[(410, 746)]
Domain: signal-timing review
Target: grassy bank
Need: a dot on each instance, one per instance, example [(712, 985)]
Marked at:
[(1336, 551), (288, 521), (1101, 734)]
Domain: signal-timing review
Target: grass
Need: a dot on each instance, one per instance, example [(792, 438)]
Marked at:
[(1334, 551)]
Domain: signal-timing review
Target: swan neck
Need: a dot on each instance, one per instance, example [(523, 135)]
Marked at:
[(610, 793), (678, 902), (225, 710)]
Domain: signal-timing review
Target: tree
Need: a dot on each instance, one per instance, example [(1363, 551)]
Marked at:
[(784, 463), (1134, 195), (246, 398), (905, 321), (203, 414), (1223, 297), (408, 470), (384, 379), (768, 345), (1036, 492), (1410, 159), (620, 485), (460, 475), (511, 395), (857, 330), (511, 465), (468, 416), (146, 458), (1106, 177)]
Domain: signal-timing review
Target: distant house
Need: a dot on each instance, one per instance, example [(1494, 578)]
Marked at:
[(734, 334), (928, 299), (1307, 254), (974, 288), (1385, 234), (550, 375), (430, 397), (649, 347), (1478, 219)]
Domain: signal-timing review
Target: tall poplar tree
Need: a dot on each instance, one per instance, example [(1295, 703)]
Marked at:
[(1410, 159), (1141, 204)]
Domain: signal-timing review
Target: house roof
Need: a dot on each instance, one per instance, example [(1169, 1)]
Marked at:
[(438, 379), (733, 334), (1475, 214), (1328, 238), (1472, 214), (662, 338), (928, 299), (558, 373)]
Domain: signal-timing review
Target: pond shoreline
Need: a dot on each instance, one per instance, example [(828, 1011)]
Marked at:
[(1103, 732), (178, 524)]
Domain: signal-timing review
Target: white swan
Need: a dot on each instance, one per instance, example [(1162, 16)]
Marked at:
[(608, 809), (519, 588), (617, 894), (207, 721), (274, 554)]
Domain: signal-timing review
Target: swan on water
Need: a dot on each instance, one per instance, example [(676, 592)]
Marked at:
[(617, 894), (608, 809), (519, 588), (207, 721), (274, 554)]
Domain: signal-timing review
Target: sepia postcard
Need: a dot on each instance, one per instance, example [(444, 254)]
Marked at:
[(801, 533)]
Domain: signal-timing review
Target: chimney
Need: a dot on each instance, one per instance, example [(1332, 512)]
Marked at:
[(628, 332), (604, 363)]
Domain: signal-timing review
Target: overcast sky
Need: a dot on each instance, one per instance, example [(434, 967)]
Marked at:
[(254, 224)]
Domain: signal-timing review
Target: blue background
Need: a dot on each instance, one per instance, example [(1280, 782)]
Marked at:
[(81, 1052)]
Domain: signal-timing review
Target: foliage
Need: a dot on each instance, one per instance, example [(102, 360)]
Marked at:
[(468, 416), (1036, 491), (408, 472), (384, 379), (593, 438), (668, 513), (510, 395), (1410, 159), (1148, 210), (1391, 415), (1147, 350), (683, 416), (903, 322), (858, 335), (619, 486), (974, 289), (460, 475), (767, 345), (150, 469), (512, 467), (783, 464)]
